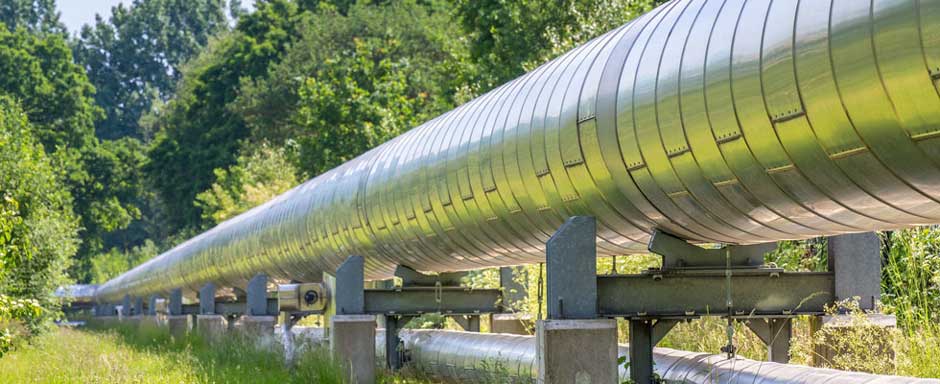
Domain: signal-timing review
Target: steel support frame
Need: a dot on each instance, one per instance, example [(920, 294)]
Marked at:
[(693, 282), (232, 308), (419, 294)]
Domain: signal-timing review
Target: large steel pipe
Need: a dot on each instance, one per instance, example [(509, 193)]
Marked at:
[(468, 357), (716, 120)]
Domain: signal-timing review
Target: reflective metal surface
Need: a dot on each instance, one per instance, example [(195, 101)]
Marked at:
[(716, 120), (76, 293), (468, 357)]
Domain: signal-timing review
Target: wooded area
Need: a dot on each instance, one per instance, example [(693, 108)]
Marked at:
[(167, 117)]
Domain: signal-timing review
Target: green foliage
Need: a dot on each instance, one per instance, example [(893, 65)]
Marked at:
[(36, 16), (126, 354), (255, 178), (510, 37), (352, 82), (355, 104), (105, 266), (37, 70), (134, 58), (38, 233), (109, 192), (911, 282), (56, 96), (800, 255), (199, 132), (13, 313)]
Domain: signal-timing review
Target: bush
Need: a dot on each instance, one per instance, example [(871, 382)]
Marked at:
[(38, 233)]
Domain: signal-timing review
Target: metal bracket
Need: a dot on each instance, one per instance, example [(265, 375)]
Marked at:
[(257, 296), (571, 270), (393, 356), (175, 305), (413, 278), (350, 279), (234, 308), (775, 333), (470, 323), (767, 294), (679, 254), (419, 294), (207, 299)]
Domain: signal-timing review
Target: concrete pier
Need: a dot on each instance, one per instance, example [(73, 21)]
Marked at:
[(179, 325), (577, 351), (212, 327), (513, 323), (352, 344), (256, 326)]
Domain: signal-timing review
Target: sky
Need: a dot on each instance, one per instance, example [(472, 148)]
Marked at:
[(76, 13)]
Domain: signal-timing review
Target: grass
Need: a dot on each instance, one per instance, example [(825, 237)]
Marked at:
[(128, 355)]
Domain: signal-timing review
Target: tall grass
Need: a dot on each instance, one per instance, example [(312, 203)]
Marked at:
[(127, 354), (911, 286)]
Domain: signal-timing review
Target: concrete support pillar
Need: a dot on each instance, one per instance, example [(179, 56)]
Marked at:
[(855, 259), (256, 326), (352, 333), (352, 344), (577, 351), (212, 327), (513, 323), (573, 345), (179, 325)]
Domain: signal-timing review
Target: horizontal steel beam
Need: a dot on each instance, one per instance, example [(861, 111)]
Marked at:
[(704, 294), (421, 300), (231, 308)]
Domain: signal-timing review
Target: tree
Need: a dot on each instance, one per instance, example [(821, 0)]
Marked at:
[(134, 57), (110, 193), (37, 70), (510, 37), (54, 92), (355, 103), (198, 131), (108, 265), (38, 231), (256, 177), (351, 82), (36, 16)]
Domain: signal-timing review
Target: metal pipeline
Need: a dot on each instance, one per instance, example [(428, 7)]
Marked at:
[(724, 121), (469, 357)]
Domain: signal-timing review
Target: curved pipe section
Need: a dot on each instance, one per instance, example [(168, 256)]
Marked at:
[(468, 357), (725, 121)]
